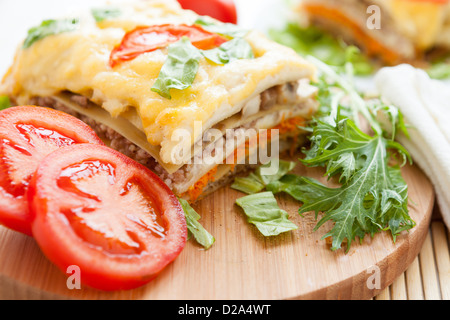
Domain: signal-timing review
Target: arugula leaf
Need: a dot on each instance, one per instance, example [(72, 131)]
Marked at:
[(229, 51), (371, 179), (373, 199), (180, 68), (262, 210), (373, 196), (394, 116), (101, 14), (49, 27), (4, 102), (224, 29), (315, 42), (255, 182), (202, 236)]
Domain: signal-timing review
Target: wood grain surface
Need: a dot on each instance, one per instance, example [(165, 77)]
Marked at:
[(242, 264), (428, 276)]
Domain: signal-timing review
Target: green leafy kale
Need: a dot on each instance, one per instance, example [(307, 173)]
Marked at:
[(49, 27)]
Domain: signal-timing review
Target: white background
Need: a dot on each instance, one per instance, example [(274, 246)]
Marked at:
[(17, 16)]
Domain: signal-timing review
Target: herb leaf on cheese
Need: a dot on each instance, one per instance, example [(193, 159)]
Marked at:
[(225, 29), (101, 14), (49, 27), (229, 51), (195, 229), (180, 68)]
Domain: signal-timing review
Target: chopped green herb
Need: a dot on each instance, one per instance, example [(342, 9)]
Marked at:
[(249, 185), (257, 181), (180, 68), (101, 14), (202, 236), (229, 51), (262, 210), (49, 27), (4, 102), (224, 29), (315, 42)]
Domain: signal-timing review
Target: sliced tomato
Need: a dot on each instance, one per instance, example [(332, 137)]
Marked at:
[(147, 39), (107, 214), (222, 10), (27, 135)]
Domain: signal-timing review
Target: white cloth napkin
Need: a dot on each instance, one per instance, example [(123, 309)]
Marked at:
[(425, 104)]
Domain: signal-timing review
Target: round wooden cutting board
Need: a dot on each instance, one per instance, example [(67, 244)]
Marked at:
[(242, 264)]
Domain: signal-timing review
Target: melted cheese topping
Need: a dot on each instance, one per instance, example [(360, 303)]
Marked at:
[(78, 62), (422, 21)]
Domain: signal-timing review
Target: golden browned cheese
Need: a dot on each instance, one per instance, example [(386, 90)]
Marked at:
[(78, 61), (420, 20)]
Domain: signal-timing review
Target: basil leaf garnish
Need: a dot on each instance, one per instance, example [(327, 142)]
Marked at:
[(229, 51), (180, 68), (47, 28), (101, 14)]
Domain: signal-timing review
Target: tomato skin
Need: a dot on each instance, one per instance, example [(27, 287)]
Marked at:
[(23, 133), (222, 10), (147, 39), (59, 238)]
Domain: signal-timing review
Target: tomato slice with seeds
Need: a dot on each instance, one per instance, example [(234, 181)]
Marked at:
[(147, 39), (27, 135), (109, 215)]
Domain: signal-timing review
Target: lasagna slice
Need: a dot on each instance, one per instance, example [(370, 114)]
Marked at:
[(168, 88), (406, 29)]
